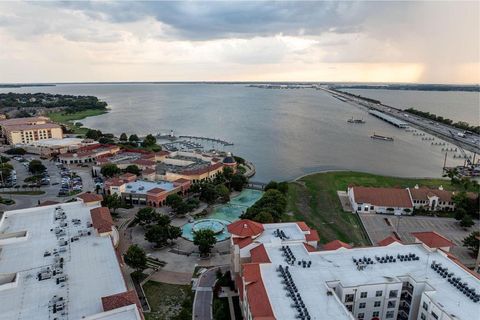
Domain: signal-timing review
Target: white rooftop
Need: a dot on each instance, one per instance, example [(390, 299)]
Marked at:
[(65, 142), (90, 264), (338, 265), (142, 186)]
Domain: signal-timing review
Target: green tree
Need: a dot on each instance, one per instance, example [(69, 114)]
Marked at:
[(472, 241), (36, 167), (133, 169), (6, 169), (113, 202), (238, 182), (271, 185), (264, 217), (208, 193), (123, 137), (135, 258), (146, 216), (109, 170), (205, 240), (173, 200), (228, 173), (466, 221), (460, 213), (133, 138), (93, 134), (161, 234), (149, 141), (272, 201), (223, 192), (16, 151)]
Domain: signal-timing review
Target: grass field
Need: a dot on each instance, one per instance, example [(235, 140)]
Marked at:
[(166, 300), (314, 200), (66, 119)]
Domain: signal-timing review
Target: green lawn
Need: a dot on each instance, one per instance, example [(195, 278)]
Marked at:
[(314, 200), (66, 119), (167, 301)]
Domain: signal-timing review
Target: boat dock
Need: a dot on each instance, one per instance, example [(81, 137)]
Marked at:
[(219, 141), (385, 117)]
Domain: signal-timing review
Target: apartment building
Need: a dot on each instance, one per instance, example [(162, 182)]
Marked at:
[(280, 275), (28, 130)]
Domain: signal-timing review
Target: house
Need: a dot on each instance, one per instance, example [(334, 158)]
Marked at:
[(432, 199), (380, 200)]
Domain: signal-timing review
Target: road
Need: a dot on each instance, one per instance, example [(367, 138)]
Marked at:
[(470, 142), (202, 305)]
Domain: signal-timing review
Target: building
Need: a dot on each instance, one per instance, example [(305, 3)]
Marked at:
[(380, 200), (59, 262), (88, 154), (143, 192), (281, 276), (28, 130), (52, 147), (432, 199)]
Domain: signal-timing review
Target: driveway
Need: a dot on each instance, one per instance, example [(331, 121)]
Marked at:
[(202, 304)]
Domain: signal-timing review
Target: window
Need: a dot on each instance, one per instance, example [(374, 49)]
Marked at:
[(362, 305), (434, 315), (377, 304), (390, 314), (371, 207), (425, 306), (366, 209), (393, 294), (375, 314), (378, 293), (361, 316), (363, 295), (391, 304), (423, 316), (350, 307), (359, 209), (348, 297)]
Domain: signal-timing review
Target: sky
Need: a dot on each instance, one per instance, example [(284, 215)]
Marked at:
[(362, 41)]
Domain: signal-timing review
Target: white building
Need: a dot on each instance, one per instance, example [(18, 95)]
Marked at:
[(287, 279), (380, 200), (55, 264)]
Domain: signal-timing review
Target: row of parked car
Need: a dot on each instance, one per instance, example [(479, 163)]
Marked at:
[(70, 181)]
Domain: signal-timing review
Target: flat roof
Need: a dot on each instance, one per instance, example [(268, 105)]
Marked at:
[(142, 186), (90, 264), (65, 142), (338, 265)]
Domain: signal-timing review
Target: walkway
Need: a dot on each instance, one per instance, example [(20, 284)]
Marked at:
[(202, 304)]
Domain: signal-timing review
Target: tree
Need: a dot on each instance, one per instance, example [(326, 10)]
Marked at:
[(271, 185), (113, 202), (173, 200), (149, 141), (146, 216), (135, 258), (6, 170), (93, 134), (105, 140), (460, 213), (133, 138), (123, 137), (133, 169), (228, 173), (264, 217), (466, 221), (280, 186), (109, 170), (223, 193), (272, 201), (208, 193), (238, 182), (160, 234), (16, 151), (36, 167), (472, 241), (205, 240)]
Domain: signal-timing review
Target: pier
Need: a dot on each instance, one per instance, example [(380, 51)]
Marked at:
[(219, 141)]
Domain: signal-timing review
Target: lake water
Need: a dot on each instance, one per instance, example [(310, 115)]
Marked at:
[(455, 105), (285, 133)]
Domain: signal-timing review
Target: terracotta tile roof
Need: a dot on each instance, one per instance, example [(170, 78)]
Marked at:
[(127, 175), (388, 240), (119, 300), (162, 153), (259, 254), (336, 244), (14, 121), (182, 180), (144, 162), (312, 236), (101, 219), (242, 242), (16, 127), (155, 191), (309, 247), (239, 284), (205, 169), (385, 197), (423, 194), (90, 197), (245, 228), (303, 226), (256, 294), (433, 239), (47, 203), (148, 171), (115, 182)]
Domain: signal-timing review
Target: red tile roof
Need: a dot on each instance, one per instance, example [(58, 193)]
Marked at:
[(116, 182), (101, 219), (242, 242), (127, 175), (303, 226), (155, 191), (433, 239), (309, 247), (205, 169), (182, 180), (259, 254), (256, 294), (148, 171), (239, 284), (423, 194), (313, 236), (385, 197), (144, 162), (388, 240), (47, 203), (336, 244), (90, 197), (119, 300), (245, 228)]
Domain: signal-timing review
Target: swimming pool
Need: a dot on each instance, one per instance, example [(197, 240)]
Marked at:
[(223, 215)]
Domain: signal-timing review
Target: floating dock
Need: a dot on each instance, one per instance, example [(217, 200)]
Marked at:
[(379, 137), (385, 117)]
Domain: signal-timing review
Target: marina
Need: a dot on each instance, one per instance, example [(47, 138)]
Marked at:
[(214, 140)]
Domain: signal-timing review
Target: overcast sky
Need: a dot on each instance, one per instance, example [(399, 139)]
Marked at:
[(434, 42)]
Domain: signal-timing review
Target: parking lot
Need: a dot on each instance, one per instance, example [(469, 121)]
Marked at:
[(380, 227)]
